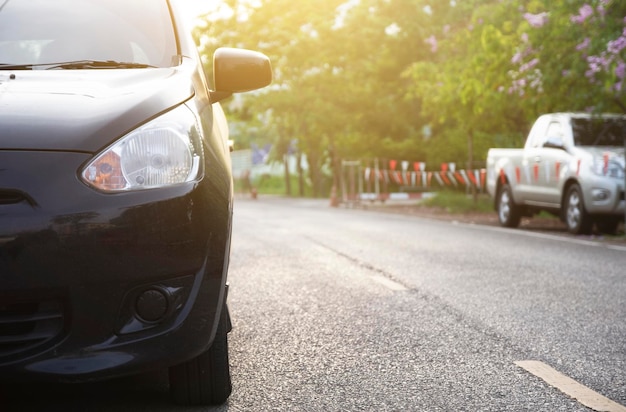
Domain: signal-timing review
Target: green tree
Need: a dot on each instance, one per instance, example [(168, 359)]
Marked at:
[(433, 81)]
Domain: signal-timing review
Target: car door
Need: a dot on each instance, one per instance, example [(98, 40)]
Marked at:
[(553, 157), (528, 174)]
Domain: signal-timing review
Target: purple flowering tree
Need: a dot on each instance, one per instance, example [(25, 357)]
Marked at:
[(572, 58)]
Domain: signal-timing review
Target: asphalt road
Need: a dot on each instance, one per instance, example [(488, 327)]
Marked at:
[(337, 309)]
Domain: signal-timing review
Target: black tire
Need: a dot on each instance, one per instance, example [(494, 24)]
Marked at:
[(577, 219), (204, 380), (607, 225), (509, 213)]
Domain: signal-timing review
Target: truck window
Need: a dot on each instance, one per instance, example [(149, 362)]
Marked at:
[(555, 130), (537, 134), (599, 131)]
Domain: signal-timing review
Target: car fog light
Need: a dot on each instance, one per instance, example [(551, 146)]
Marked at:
[(600, 194), (152, 305)]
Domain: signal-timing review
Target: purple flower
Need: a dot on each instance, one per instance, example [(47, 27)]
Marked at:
[(620, 70), (584, 45), (432, 40), (529, 65), (536, 20), (618, 87), (517, 58), (597, 63), (583, 14), (617, 45)]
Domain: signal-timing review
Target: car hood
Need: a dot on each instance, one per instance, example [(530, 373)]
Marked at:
[(613, 153), (84, 110)]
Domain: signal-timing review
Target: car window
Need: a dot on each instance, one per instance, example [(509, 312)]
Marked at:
[(555, 130), (594, 131), (55, 31), (537, 133)]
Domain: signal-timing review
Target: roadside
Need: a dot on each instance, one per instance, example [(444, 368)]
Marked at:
[(442, 213), (459, 212), (541, 223)]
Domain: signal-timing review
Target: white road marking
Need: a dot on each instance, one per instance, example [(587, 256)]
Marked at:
[(570, 387), (388, 283)]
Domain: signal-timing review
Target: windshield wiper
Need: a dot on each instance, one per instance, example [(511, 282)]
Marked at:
[(96, 64), (75, 65), (11, 66)]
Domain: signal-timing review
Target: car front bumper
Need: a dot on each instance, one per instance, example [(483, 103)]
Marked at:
[(97, 285), (604, 196)]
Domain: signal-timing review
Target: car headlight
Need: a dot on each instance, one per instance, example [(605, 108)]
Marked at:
[(609, 168), (163, 152)]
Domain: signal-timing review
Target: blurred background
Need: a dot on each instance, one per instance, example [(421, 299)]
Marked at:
[(394, 92)]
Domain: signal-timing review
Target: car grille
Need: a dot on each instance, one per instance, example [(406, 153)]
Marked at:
[(28, 325)]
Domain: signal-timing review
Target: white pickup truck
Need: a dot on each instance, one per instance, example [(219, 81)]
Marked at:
[(572, 166)]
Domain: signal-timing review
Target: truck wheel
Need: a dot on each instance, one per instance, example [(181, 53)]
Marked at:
[(577, 219), (204, 380), (508, 212), (607, 225)]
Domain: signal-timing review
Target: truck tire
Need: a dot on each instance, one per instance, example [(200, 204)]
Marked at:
[(577, 219), (204, 380), (509, 213)]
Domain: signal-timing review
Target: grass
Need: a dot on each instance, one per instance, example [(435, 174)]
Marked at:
[(457, 202)]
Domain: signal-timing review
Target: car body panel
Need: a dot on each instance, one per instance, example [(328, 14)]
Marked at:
[(97, 284), (87, 110), (539, 174)]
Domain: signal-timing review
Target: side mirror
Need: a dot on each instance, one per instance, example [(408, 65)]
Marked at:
[(239, 70), (554, 142)]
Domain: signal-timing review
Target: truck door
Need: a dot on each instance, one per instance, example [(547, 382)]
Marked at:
[(528, 174), (549, 158)]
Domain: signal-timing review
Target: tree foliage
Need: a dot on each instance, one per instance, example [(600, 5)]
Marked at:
[(420, 80)]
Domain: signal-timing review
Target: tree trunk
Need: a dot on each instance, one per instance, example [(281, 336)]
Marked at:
[(287, 175), (300, 176)]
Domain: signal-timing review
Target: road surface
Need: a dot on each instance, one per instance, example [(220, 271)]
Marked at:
[(338, 309)]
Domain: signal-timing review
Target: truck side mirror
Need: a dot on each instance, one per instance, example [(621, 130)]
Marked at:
[(554, 142)]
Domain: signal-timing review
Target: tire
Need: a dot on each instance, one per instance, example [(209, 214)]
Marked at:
[(607, 225), (204, 380), (577, 219), (509, 213)]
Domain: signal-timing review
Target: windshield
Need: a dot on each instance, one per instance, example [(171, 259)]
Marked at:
[(599, 131), (43, 32)]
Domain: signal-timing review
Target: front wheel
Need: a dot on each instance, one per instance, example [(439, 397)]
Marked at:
[(509, 214), (577, 219), (204, 380)]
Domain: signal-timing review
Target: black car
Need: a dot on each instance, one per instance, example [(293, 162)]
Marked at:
[(116, 195)]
